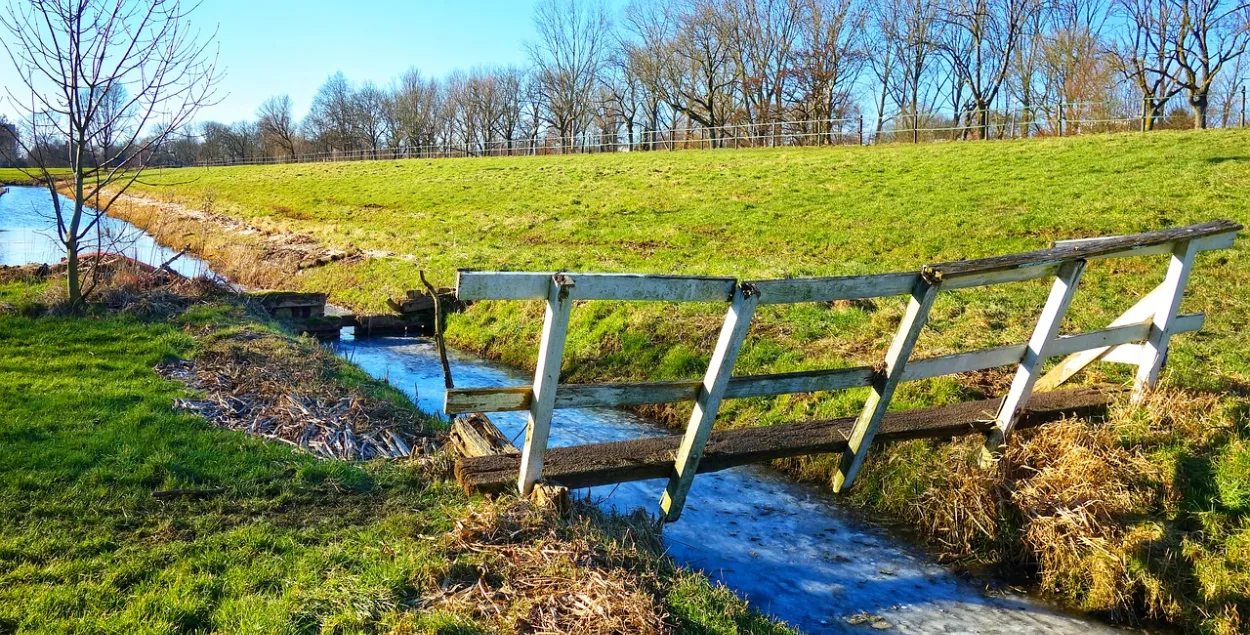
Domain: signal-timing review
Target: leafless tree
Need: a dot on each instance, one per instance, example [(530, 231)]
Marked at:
[(981, 39), (276, 124), (912, 33), (368, 119), (1210, 34), (573, 37), (74, 57), (330, 121), (1143, 52), (827, 62), (415, 108)]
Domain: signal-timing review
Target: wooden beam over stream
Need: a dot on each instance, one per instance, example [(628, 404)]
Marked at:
[(652, 458)]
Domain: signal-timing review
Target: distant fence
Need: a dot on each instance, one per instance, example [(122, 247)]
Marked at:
[(1139, 337), (1043, 120)]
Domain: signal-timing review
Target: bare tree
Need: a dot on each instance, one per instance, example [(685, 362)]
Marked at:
[(1211, 33), (368, 119), (911, 31), (415, 108), (763, 35), (1143, 53), (330, 121), (74, 58), (982, 37), (572, 44), (276, 124), (10, 155), (828, 61)]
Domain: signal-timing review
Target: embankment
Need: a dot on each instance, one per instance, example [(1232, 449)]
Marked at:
[(1141, 516)]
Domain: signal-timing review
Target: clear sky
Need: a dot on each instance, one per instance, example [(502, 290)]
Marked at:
[(270, 47)]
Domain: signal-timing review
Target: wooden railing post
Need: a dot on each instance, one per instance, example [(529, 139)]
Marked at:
[(732, 334), (1154, 349), (1027, 372), (546, 377), (922, 297)]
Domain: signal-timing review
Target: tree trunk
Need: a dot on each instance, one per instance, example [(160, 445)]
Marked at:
[(73, 281), (1199, 106)]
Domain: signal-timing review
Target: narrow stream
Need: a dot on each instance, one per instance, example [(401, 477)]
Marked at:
[(787, 547)]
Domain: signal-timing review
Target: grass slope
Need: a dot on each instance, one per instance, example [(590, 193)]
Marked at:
[(88, 433), (825, 211)]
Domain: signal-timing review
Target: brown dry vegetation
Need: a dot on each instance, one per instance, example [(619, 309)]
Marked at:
[(1093, 508)]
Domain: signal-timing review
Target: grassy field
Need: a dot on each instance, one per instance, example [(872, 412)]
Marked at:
[(811, 211), (88, 432), (15, 176)]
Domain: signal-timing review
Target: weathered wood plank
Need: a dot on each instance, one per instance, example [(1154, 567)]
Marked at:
[(546, 378), (507, 285), (792, 290), (476, 435), (516, 398), (652, 458), (464, 400), (1030, 366), (1168, 303), (1205, 243), (922, 298), (733, 333), (1041, 259)]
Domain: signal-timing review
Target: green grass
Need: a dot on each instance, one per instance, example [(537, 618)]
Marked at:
[(16, 176), (88, 432), (805, 212)]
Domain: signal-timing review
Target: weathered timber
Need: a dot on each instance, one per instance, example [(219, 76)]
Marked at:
[(381, 325), (291, 304), (1047, 260), (505, 285), (475, 435), (411, 305), (652, 458)]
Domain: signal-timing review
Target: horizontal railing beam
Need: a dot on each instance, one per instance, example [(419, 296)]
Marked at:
[(607, 395), (508, 285), (794, 290)]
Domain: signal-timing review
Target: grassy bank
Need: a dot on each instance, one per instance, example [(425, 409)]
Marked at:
[(811, 211), (288, 543)]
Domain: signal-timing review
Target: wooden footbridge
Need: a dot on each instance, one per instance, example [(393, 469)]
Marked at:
[(1139, 337)]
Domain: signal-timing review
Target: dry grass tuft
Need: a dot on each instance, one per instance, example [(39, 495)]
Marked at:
[(521, 570), (1079, 494), (1095, 509)]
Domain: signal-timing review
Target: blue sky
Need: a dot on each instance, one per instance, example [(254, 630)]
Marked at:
[(270, 47)]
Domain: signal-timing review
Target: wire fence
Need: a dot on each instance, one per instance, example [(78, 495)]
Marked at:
[(1044, 120)]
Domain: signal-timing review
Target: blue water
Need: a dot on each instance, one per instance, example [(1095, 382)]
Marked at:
[(28, 233)]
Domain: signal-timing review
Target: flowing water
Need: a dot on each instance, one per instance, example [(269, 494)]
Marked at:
[(787, 547)]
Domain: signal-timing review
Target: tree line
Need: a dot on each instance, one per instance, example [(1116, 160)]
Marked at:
[(716, 73)]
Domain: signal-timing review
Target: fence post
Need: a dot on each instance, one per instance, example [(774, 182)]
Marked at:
[(1030, 366), (732, 334), (546, 377), (1154, 350), (918, 307), (1243, 106), (861, 130)]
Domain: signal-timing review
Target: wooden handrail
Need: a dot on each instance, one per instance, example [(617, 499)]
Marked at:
[(1139, 337), (1087, 249)]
